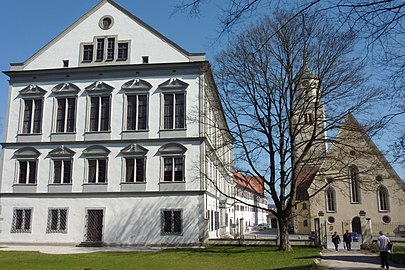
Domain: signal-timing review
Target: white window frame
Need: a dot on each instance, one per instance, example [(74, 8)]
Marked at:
[(386, 199), (89, 126), (174, 93), (328, 203), (173, 157), (105, 58), (65, 120), (134, 158), (62, 171), (97, 170), (127, 95), (355, 194), (22, 118), (27, 173)]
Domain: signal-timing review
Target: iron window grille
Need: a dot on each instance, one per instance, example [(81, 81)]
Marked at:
[(57, 220), (171, 222), (22, 220)]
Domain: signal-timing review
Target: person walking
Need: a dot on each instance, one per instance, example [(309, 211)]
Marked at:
[(347, 239), (336, 240), (382, 244)]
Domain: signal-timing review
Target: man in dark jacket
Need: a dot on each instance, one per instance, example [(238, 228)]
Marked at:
[(347, 238), (336, 240)]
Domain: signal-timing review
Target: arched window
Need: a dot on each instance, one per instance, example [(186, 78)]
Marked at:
[(330, 200), (354, 184), (382, 194)]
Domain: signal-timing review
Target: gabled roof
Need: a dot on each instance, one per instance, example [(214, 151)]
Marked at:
[(306, 175), (253, 183), (172, 84), (33, 90), (94, 9)]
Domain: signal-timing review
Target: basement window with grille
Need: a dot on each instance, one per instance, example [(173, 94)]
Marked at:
[(171, 221), (22, 220), (57, 220)]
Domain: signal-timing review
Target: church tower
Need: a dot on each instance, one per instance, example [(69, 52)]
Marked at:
[(310, 121)]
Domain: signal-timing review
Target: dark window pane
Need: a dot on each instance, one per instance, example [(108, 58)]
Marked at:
[(180, 111), (131, 113), (102, 177), (122, 51), (168, 221), (105, 113), (60, 118), (27, 219), (67, 168), (87, 53), (168, 169), (62, 219), (100, 49), (94, 111), (71, 112), (129, 170), (54, 219), (177, 221), (178, 169), (22, 179), (140, 166), (37, 116), (32, 172), (110, 49), (57, 171), (27, 116), (92, 171), (19, 219), (168, 111), (142, 111)]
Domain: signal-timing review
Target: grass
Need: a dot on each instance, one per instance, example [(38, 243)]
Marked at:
[(398, 255), (218, 258)]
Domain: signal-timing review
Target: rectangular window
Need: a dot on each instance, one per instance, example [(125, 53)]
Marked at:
[(173, 169), (171, 221), (87, 53), (66, 112), (27, 172), (135, 170), (32, 116), (110, 49), (174, 111), (100, 49), (100, 113), (22, 221), (122, 51), (137, 112), (57, 220), (62, 171), (97, 171)]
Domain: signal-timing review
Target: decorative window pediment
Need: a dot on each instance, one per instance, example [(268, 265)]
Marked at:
[(173, 84), (27, 152), (98, 87), (134, 150), (62, 151), (96, 151), (136, 85), (32, 90), (66, 88), (172, 148)]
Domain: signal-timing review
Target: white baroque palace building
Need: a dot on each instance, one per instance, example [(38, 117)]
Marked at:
[(111, 132)]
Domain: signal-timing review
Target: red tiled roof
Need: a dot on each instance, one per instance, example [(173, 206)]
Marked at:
[(254, 183), (305, 177)]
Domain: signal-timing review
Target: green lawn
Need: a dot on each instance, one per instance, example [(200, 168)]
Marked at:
[(399, 254), (217, 258)]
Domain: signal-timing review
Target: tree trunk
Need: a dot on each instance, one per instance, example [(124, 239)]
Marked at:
[(284, 244)]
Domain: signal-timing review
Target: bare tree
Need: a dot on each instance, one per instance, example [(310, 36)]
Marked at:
[(275, 81)]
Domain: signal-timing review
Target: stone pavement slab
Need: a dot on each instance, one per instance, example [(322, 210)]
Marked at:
[(351, 260)]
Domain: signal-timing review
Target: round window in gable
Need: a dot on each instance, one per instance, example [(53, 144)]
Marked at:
[(386, 219), (106, 22), (331, 220), (378, 178)]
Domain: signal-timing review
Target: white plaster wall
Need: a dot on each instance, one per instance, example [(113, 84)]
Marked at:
[(143, 42), (127, 220), (117, 107)]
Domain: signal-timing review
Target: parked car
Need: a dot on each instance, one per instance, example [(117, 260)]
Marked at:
[(312, 235), (262, 226), (355, 237)]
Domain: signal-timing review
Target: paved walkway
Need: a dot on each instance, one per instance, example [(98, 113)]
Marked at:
[(351, 260)]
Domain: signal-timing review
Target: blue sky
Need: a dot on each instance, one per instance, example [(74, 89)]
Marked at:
[(32, 24)]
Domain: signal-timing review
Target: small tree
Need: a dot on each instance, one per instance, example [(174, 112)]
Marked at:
[(275, 81)]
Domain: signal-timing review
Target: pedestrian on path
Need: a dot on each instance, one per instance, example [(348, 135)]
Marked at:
[(347, 239), (336, 240), (382, 244)]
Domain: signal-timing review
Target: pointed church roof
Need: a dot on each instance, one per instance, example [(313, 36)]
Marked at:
[(18, 66)]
